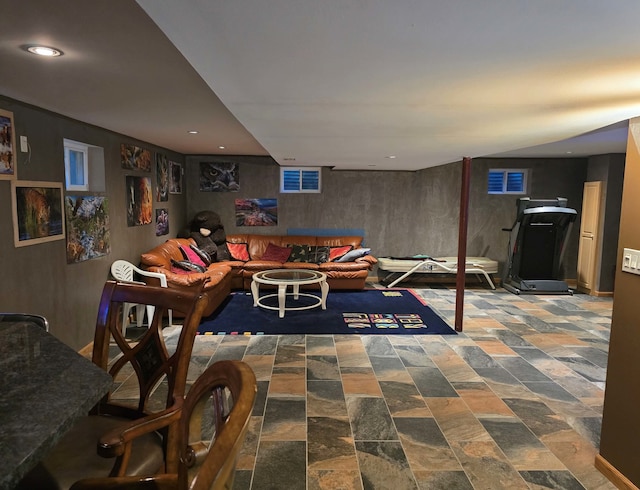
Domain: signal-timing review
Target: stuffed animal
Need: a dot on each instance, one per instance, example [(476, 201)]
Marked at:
[(207, 231)]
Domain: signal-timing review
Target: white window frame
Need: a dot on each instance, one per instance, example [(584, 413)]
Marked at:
[(505, 172), (80, 148), (300, 170)]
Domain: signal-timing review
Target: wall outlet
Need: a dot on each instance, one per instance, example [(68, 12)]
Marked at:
[(631, 261)]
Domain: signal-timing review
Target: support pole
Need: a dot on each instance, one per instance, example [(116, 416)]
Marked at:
[(462, 242)]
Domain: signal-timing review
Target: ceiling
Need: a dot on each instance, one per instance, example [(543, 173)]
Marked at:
[(340, 83)]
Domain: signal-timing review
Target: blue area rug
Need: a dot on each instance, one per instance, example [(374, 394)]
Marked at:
[(368, 312)]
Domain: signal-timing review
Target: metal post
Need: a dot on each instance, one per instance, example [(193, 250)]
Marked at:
[(462, 242)]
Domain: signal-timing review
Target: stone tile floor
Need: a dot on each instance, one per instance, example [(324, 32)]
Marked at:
[(513, 402)]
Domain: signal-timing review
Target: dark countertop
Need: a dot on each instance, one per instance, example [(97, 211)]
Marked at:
[(45, 386)]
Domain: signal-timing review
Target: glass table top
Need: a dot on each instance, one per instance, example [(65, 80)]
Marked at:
[(288, 275)]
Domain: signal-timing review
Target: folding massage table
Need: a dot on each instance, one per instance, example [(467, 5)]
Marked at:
[(435, 265)]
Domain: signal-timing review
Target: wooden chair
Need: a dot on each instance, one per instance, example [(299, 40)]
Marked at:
[(213, 426), (128, 432)]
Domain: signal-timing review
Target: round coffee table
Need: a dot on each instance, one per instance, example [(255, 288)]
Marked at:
[(283, 278)]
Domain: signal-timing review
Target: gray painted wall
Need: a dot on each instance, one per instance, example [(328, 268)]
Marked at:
[(610, 170), (402, 213), (37, 278)]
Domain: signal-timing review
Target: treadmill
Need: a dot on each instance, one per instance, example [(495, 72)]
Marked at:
[(536, 246)]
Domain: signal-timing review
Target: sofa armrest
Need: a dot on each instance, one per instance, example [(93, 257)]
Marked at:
[(367, 258), (181, 280)]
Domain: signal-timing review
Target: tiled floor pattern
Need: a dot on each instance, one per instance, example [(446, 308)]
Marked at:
[(514, 402)]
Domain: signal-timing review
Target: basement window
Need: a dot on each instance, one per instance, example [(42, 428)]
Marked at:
[(83, 167), (507, 181), (76, 166), (299, 180)]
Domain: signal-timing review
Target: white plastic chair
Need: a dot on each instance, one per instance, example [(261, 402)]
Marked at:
[(123, 271)]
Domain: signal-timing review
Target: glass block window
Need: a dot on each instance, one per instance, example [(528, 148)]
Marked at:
[(507, 181), (300, 179)]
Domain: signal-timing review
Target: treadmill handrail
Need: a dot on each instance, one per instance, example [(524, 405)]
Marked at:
[(549, 209)]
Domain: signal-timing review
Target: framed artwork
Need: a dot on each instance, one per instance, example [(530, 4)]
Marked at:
[(7, 146), (135, 158), (37, 212), (162, 222), (139, 200), (162, 178), (88, 233), (219, 177), (256, 212), (175, 178)]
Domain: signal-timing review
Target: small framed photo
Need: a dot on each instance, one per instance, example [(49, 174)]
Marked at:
[(162, 222), (7, 146), (38, 212), (162, 178), (256, 212), (219, 177), (139, 203), (135, 158), (88, 230), (175, 182)]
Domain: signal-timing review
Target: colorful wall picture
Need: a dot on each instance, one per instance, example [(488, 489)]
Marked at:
[(162, 178), (7, 146), (175, 178), (256, 212), (135, 158), (88, 234), (139, 200), (37, 212), (162, 222), (219, 177)]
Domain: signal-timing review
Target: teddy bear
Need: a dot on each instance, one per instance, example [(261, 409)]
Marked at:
[(207, 231)]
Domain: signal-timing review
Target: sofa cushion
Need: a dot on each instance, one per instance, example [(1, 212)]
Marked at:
[(299, 253), (187, 266), (180, 270), (192, 257), (276, 253), (238, 251), (336, 252), (309, 253), (319, 255), (354, 254), (206, 258), (301, 265)]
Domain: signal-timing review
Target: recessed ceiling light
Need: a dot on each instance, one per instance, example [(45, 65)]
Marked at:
[(221, 147), (569, 152), (391, 156), (44, 51), (193, 131)]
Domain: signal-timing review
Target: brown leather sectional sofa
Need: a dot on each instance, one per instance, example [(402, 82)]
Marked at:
[(236, 274), (218, 275), (340, 275)]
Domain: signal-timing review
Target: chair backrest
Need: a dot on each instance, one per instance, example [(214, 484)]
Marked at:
[(25, 317), (213, 425), (146, 363), (122, 270)]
